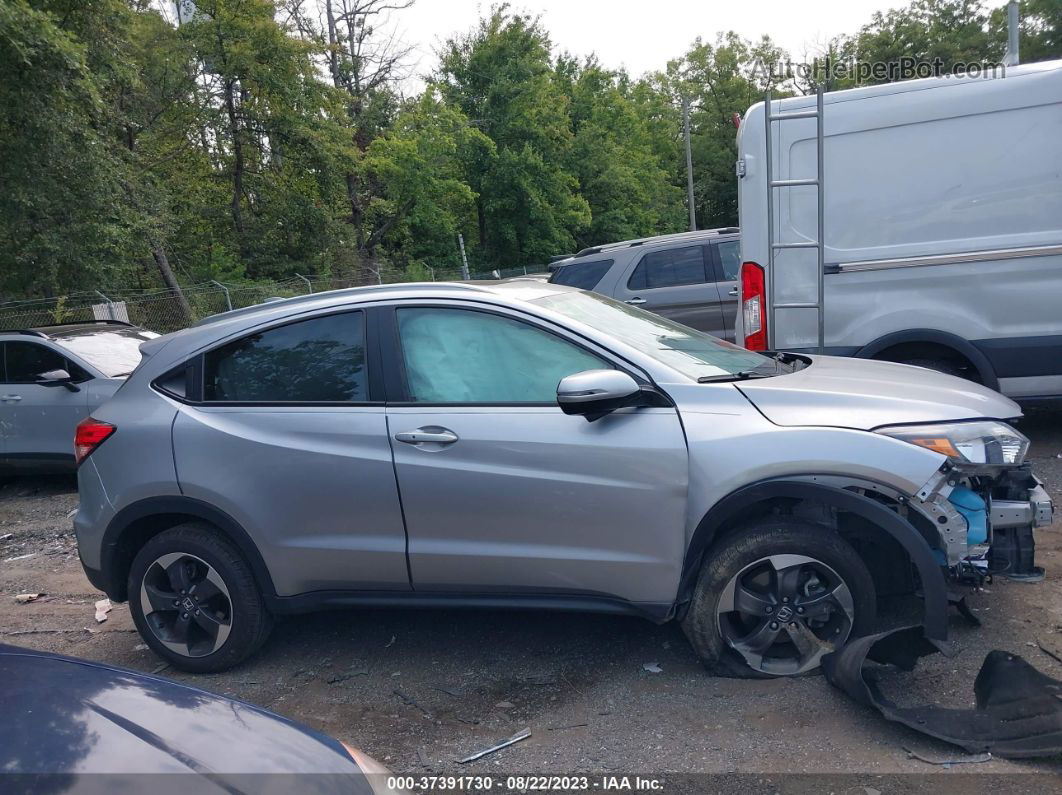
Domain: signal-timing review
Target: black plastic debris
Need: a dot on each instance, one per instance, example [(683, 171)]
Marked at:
[(1018, 711)]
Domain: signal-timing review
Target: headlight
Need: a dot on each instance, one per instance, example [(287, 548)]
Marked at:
[(967, 442)]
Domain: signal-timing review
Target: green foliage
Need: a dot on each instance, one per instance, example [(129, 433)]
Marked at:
[(262, 139)]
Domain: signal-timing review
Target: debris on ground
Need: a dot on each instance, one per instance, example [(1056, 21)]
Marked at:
[(1018, 712), (1051, 647), (504, 705), (26, 598), (391, 642), (972, 759), (410, 702), (523, 734), (6, 536), (103, 607), (19, 557), (653, 668)]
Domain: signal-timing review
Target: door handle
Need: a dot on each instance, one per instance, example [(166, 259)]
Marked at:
[(11, 398), (635, 300), (421, 436), (733, 292)]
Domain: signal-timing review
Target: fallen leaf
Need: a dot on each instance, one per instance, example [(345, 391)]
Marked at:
[(26, 598), (653, 668)]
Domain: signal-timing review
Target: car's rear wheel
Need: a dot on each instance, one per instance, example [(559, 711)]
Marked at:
[(774, 598), (195, 601)]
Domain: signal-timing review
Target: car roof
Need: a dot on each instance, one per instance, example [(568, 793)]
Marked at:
[(72, 329), (217, 326), (677, 237)]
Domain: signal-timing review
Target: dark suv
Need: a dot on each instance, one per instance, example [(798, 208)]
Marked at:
[(690, 277)]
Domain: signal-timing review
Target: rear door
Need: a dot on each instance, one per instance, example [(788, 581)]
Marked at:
[(38, 421), (289, 438), (678, 283), (726, 259)]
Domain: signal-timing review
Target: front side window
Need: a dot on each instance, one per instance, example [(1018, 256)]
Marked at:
[(321, 360), (669, 268), (27, 361), (730, 259), (464, 356), (584, 275)]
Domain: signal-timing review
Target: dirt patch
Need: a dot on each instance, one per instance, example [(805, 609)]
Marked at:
[(419, 689)]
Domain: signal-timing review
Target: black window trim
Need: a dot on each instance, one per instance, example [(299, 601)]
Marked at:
[(397, 386), (195, 367), (706, 262)]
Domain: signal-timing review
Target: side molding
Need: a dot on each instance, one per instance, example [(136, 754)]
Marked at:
[(933, 584)]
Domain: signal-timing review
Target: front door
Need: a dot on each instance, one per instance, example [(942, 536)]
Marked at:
[(504, 493), (38, 421)]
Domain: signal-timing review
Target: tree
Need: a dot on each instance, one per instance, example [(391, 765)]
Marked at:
[(501, 77)]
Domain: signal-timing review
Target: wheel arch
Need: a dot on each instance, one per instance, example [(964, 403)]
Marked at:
[(743, 504), (138, 522), (935, 337)]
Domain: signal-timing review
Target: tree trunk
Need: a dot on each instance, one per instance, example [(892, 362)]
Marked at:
[(237, 168), (163, 262)]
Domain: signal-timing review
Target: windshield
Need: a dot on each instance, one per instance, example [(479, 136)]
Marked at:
[(114, 353), (693, 353)]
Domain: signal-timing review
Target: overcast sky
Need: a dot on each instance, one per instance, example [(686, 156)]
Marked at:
[(642, 35)]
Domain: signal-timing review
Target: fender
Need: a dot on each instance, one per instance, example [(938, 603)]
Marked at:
[(944, 338), (113, 581), (934, 587)]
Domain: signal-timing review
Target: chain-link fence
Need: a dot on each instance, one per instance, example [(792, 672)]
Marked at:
[(163, 310)]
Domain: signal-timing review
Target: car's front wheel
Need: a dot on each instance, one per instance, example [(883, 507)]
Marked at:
[(772, 599), (195, 601)]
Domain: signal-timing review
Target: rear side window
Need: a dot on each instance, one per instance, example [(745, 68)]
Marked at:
[(312, 361), (670, 268), (730, 259), (584, 275)]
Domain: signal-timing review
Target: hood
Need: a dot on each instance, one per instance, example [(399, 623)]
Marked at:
[(69, 716), (866, 394)]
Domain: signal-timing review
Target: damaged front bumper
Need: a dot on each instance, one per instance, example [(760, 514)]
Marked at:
[(983, 522), (1018, 712)]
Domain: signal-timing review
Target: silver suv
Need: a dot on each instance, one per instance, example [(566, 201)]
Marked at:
[(520, 444), (51, 378), (689, 277)]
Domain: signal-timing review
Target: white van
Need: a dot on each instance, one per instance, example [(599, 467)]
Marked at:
[(941, 236)]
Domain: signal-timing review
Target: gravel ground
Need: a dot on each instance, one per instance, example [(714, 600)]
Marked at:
[(420, 689)]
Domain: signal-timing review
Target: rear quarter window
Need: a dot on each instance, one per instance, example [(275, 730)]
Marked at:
[(584, 275)]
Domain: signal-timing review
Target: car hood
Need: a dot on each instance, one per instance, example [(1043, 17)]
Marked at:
[(68, 717), (865, 394)]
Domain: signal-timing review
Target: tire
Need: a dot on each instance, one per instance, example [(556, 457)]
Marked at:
[(216, 620), (828, 584), (941, 366)]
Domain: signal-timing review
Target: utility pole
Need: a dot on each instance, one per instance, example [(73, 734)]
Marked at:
[(689, 163), (1011, 58), (464, 259)]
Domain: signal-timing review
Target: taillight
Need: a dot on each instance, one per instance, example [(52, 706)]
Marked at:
[(90, 434), (753, 298)]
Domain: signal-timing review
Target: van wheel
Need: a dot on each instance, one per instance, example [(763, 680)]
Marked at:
[(195, 601), (940, 365), (773, 599)]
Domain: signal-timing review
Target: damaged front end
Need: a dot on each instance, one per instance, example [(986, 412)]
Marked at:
[(979, 510)]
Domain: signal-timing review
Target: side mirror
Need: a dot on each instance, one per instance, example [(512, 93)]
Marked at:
[(58, 378), (595, 393)]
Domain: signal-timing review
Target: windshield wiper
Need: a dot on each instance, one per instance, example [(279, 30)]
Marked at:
[(741, 375)]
